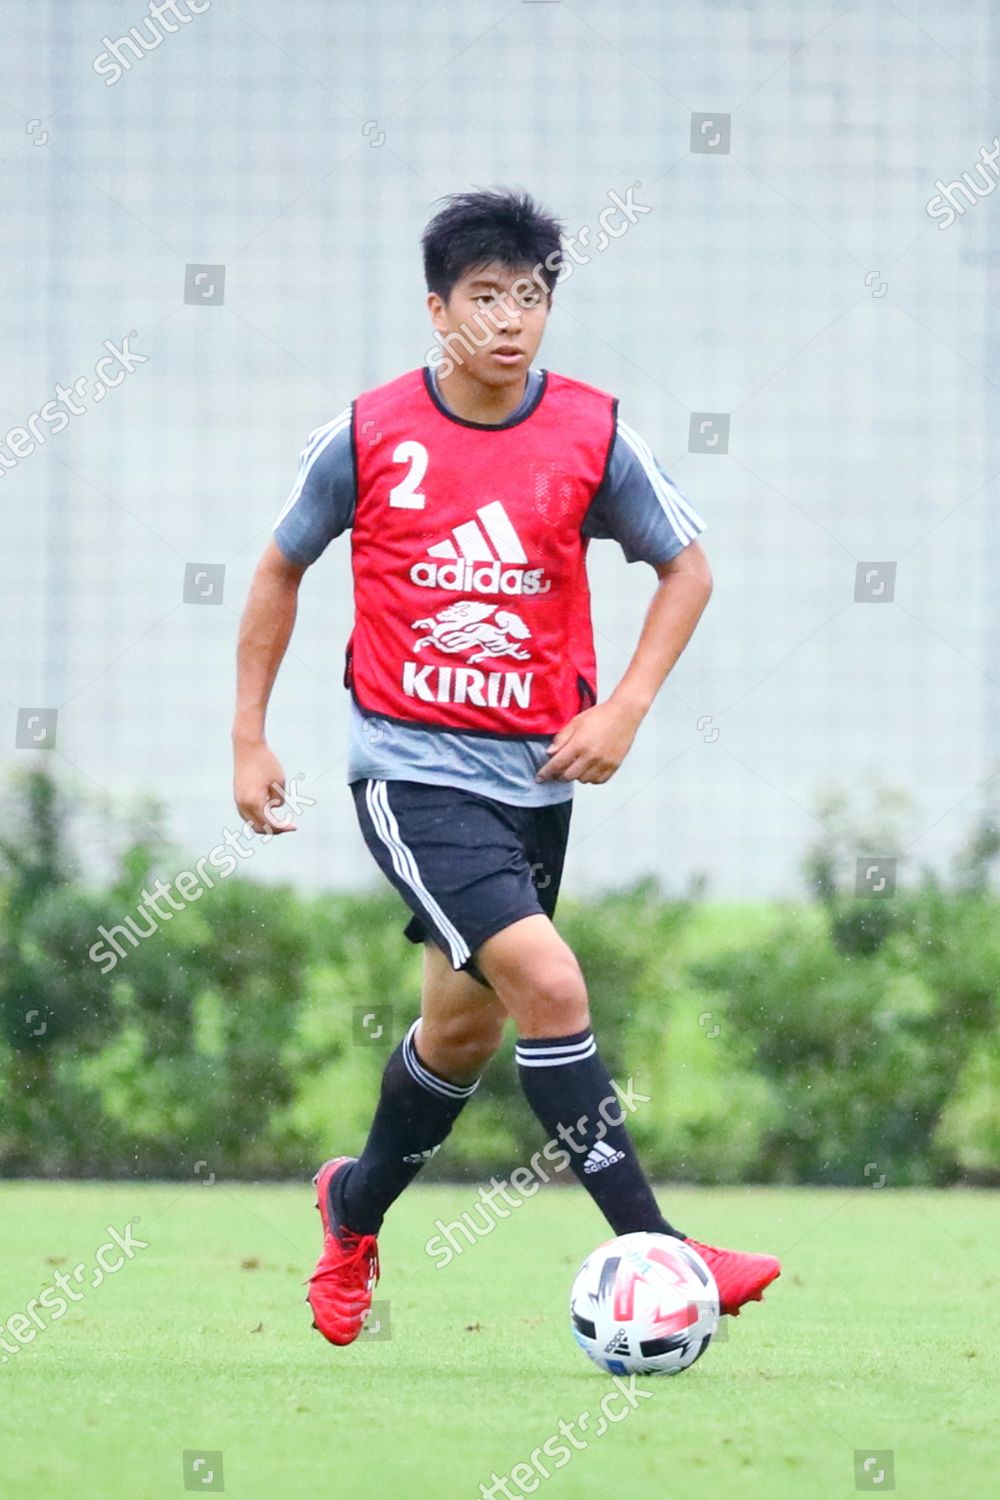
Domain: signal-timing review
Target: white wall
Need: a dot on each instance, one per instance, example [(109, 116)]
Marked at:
[(860, 417)]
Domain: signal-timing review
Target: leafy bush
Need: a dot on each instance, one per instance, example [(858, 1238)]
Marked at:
[(864, 1022), (849, 1039)]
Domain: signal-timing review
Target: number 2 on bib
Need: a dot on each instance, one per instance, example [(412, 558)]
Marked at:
[(407, 494)]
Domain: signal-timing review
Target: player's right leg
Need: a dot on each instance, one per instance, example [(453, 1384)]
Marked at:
[(426, 1083)]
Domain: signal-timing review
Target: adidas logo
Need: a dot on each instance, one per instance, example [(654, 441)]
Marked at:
[(483, 556), (619, 1343), (601, 1156), (418, 1156)]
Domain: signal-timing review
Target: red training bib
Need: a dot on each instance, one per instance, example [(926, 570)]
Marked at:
[(472, 609)]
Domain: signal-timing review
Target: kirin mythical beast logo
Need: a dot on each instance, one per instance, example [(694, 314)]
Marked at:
[(468, 626)]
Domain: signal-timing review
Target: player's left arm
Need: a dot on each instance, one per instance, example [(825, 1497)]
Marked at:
[(641, 508), (594, 743)]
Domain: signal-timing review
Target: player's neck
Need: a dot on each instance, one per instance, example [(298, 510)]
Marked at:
[(473, 401)]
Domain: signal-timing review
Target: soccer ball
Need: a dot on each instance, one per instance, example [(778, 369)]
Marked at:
[(644, 1304)]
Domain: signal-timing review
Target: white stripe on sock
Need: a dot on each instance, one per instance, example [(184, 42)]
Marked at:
[(552, 1049), (429, 1080), (533, 1060)]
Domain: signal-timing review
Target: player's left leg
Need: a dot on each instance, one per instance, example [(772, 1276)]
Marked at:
[(538, 981)]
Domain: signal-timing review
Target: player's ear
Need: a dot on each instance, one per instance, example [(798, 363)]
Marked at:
[(438, 310)]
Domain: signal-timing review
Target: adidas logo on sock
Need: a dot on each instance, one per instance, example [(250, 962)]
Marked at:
[(417, 1156), (601, 1156)]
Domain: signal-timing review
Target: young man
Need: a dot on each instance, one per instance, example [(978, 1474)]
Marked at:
[(472, 491)]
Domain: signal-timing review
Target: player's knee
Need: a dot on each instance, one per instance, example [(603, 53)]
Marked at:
[(460, 1046), (552, 999)]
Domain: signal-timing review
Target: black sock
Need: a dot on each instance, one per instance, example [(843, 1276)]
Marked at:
[(416, 1110), (567, 1084)]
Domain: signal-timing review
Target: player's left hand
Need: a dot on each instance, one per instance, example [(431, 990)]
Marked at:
[(592, 745)]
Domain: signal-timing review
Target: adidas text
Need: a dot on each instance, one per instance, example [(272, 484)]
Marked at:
[(479, 578)]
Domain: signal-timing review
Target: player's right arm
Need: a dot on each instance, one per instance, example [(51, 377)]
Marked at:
[(319, 508), (265, 630)]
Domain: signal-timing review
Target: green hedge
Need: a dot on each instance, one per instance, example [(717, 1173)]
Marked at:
[(843, 1040)]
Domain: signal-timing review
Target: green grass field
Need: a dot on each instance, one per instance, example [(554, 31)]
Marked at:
[(880, 1335)]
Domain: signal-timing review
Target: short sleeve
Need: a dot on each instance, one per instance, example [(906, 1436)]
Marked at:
[(321, 503), (639, 506)]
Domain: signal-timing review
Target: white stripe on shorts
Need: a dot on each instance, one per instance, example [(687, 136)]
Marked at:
[(405, 866)]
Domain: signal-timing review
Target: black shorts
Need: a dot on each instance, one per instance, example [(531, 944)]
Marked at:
[(467, 866)]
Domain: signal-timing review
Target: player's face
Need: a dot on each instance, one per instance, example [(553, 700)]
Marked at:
[(492, 324)]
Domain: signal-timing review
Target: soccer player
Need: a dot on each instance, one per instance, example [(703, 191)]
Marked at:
[(472, 488)]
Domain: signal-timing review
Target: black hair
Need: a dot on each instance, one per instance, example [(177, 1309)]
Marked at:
[(475, 228)]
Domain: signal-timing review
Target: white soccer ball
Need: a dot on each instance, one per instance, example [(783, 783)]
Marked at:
[(644, 1304)]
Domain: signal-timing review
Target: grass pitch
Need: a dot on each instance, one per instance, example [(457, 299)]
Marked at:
[(878, 1342)]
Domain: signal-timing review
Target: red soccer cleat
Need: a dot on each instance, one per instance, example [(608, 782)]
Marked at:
[(340, 1288), (739, 1277)]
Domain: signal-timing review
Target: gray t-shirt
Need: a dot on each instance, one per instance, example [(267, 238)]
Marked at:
[(637, 506)]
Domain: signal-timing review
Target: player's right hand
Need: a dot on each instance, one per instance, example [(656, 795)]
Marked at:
[(259, 788)]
